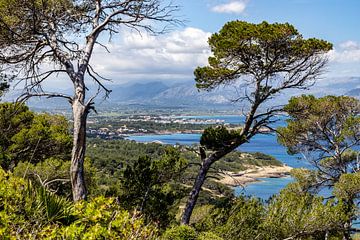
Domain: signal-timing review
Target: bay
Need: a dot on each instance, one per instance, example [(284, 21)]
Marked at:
[(264, 143), (267, 144)]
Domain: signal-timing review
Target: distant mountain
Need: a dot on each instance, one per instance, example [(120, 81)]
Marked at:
[(188, 94), (336, 86), (185, 94), (137, 91), (160, 94), (354, 92)]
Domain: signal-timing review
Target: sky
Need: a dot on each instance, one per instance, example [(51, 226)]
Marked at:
[(173, 56)]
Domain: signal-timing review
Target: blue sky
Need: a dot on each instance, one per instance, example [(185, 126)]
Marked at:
[(333, 20), (173, 56)]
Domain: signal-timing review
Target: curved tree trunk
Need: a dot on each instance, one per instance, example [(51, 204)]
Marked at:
[(194, 194), (78, 151), (246, 134)]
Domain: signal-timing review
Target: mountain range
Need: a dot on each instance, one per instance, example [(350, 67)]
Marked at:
[(185, 94), (159, 93)]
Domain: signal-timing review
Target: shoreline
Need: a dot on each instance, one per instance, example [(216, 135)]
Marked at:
[(254, 174), (171, 132)]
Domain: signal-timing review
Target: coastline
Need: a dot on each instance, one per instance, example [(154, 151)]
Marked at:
[(254, 174), (170, 132)]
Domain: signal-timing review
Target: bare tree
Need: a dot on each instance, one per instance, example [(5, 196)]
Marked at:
[(267, 59), (40, 40)]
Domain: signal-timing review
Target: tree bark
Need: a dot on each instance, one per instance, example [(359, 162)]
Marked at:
[(347, 224), (78, 152), (194, 194)]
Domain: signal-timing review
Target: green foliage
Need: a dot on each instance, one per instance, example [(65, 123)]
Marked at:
[(214, 138), (48, 135), (25, 209), (303, 216), (243, 49), (53, 174), (348, 186), (26, 136), (30, 212), (326, 130), (209, 236), (317, 118), (149, 185), (240, 218), (49, 206), (102, 218), (292, 214), (182, 232), (113, 156), (305, 178), (13, 118), (247, 214), (19, 18)]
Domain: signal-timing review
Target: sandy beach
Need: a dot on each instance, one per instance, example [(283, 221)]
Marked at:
[(254, 174)]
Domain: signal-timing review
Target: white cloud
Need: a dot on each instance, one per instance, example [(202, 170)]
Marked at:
[(347, 52), (344, 61), (236, 7), (145, 57), (350, 45)]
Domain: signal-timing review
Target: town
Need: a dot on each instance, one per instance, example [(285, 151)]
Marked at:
[(123, 126)]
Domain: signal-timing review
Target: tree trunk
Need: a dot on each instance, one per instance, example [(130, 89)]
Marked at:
[(78, 151), (194, 194), (207, 162), (347, 225), (347, 233)]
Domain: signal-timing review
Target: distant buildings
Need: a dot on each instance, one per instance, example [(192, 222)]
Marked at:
[(99, 127)]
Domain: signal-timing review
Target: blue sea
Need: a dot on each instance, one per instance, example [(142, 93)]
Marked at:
[(261, 143)]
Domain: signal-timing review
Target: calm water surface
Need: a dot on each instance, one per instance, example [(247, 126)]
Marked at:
[(261, 143)]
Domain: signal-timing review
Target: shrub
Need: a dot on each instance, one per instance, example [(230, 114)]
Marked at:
[(182, 232)]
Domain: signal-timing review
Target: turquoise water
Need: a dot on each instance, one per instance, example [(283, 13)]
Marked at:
[(264, 189), (261, 143)]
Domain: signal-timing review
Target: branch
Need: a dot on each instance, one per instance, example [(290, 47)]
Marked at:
[(24, 97), (45, 183)]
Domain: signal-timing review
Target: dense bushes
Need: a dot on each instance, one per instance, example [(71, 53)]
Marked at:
[(291, 214), (30, 137), (137, 190), (29, 212)]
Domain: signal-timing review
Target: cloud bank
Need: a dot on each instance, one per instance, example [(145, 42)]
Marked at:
[(347, 52), (143, 57)]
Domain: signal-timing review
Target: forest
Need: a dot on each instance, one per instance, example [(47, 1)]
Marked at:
[(137, 190), (58, 182)]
